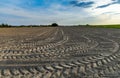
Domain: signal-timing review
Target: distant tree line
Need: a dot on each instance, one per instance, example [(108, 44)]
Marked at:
[(52, 25), (4, 25)]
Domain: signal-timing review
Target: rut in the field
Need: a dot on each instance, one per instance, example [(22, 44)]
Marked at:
[(59, 52)]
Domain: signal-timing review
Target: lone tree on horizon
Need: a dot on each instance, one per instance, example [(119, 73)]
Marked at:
[(54, 24)]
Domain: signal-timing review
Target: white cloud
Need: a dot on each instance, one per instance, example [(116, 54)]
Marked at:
[(61, 14)]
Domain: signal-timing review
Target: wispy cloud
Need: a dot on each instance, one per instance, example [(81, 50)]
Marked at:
[(112, 2), (82, 4), (106, 5)]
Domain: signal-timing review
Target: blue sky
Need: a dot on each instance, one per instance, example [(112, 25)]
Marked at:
[(64, 12)]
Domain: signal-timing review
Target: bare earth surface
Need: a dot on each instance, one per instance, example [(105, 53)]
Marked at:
[(59, 52)]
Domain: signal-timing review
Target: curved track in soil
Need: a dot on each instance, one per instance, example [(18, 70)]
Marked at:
[(59, 52)]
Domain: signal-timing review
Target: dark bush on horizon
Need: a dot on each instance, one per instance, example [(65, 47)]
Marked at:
[(54, 24), (87, 25)]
